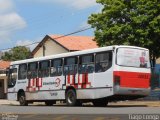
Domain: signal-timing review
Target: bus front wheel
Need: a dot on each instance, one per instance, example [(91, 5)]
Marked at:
[(22, 99), (71, 98)]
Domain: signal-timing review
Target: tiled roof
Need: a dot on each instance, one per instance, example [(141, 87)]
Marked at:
[(4, 64), (75, 42), (70, 43)]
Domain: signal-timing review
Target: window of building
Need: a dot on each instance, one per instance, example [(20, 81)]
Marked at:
[(70, 65), (44, 69), (56, 67), (103, 61), (86, 63), (32, 70), (22, 73)]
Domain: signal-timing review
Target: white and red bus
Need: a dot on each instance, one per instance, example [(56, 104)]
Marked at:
[(97, 75)]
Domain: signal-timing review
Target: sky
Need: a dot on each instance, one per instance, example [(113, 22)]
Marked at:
[(24, 22)]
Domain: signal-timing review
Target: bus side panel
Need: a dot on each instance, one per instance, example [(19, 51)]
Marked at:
[(103, 79), (46, 95), (133, 79), (102, 84), (49, 88), (94, 93), (12, 96)]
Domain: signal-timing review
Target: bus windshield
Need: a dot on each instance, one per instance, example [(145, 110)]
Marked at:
[(12, 77), (133, 57)]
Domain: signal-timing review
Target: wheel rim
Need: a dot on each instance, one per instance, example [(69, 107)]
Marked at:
[(71, 97), (22, 100)]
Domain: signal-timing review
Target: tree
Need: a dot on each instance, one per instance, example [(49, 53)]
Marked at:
[(128, 22), (17, 53)]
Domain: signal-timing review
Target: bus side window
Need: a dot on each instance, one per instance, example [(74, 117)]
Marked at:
[(86, 64), (56, 67), (103, 61), (43, 70), (70, 66), (32, 70), (22, 73)]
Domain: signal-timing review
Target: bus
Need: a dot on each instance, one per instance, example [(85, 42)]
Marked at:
[(99, 75)]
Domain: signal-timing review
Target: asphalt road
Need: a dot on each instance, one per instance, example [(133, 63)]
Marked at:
[(79, 110), (66, 117), (78, 113), (136, 110)]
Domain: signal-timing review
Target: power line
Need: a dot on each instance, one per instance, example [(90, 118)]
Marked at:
[(78, 31), (73, 32)]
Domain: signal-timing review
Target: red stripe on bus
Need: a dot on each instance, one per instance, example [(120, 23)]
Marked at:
[(87, 80), (37, 82), (34, 82), (133, 79), (83, 78), (68, 79), (73, 79)]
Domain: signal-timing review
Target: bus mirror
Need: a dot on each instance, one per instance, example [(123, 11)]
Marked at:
[(113, 48)]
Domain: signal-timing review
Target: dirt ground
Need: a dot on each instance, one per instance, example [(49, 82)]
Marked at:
[(136, 103)]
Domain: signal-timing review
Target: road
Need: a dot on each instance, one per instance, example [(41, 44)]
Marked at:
[(69, 117), (79, 110), (77, 113)]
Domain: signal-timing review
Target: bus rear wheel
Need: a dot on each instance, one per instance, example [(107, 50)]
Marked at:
[(22, 99), (71, 98)]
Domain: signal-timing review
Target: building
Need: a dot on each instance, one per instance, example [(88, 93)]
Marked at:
[(56, 44), (3, 78)]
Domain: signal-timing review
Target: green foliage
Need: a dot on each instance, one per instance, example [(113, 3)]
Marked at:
[(17, 53), (128, 22)]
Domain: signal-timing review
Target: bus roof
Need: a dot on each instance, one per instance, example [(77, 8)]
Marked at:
[(72, 54)]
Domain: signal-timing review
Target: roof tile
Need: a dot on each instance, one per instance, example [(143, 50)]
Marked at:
[(75, 42), (4, 64)]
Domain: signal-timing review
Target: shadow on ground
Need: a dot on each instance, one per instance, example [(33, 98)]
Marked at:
[(63, 105)]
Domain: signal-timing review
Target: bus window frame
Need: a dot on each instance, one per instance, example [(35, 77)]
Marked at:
[(51, 66), (39, 68), (25, 71), (64, 64), (37, 62), (80, 62), (10, 78), (110, 63)]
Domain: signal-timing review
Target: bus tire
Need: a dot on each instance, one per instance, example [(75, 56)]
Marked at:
[(100, 102), (71, 97), (22, 99)]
